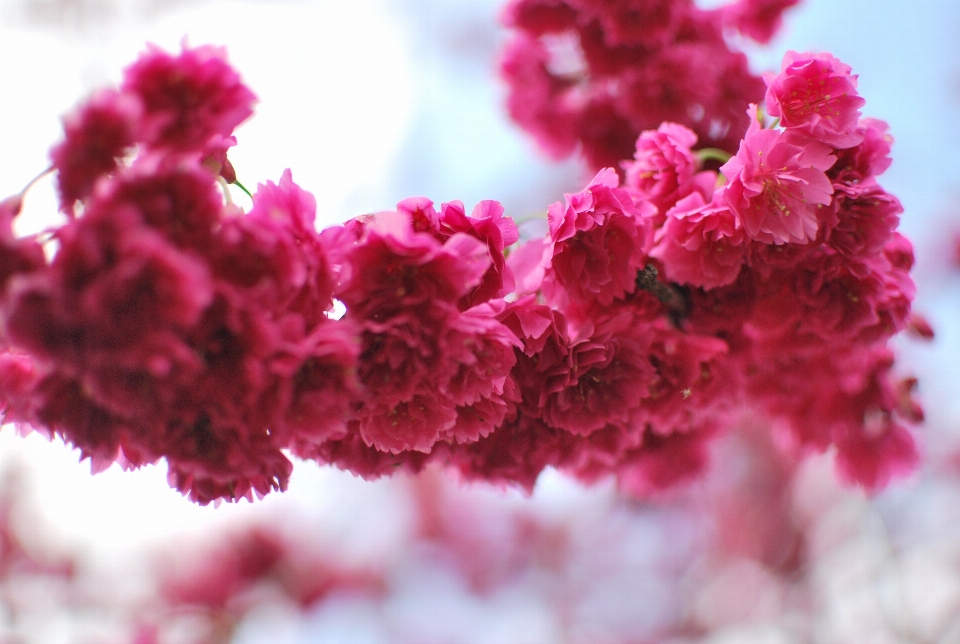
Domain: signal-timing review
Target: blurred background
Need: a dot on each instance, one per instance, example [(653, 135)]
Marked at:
[(371, 101)]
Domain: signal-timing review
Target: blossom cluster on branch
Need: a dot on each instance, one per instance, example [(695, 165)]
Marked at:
[(162, 322), (593, 74)]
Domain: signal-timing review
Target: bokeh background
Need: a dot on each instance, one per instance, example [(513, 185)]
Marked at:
[(371, 101)]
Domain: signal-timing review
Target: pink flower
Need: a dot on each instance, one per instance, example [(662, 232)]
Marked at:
[(96, 135), (538, 100), (866, 160), (487, 223), (866, 217), (178, 198), (662, 462), (16, 255), (515, 453), (663, 168), (393, 267), (757, 19), (539, 16), (649, 23), (609, 376), (815, 94), (777, 183), (596, 244), (701, 244), (187, 99)]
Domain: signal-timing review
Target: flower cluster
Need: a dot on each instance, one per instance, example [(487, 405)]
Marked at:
[(594, 74), (167, 323)]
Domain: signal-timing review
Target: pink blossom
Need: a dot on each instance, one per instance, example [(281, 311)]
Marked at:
[(649, 23), (701, 244), (354, 455), (487, 223), (664, 166), (872, 461), (866, 216), (96, 135), (866, 160), (537, 101), (757, 19), (188, 98), (515, 453), (662, 462), (816, 94), (697, 83), (539, 16), (395, 267), (609, 376), (777, 184), (17, 255), (596, 243)]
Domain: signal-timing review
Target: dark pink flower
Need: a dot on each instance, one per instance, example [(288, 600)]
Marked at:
[(17, 255), (394, 267), (777, 184), (538, 100), (487, 223), (178, 198), (482, 388), (515, 453), (816, 94), (539, 16), (188, 98), (866, 216), (96, 135), (757, 19), (596, 244), (609, 376), (662, 462), (648, 23), (352, 454)]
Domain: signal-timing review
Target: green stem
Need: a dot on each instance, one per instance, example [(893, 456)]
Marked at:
[(712, 154), (240, 185)]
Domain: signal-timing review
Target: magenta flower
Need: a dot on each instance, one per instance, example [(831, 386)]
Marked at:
[(663, 169), (648, 23), (96, 135), (609, 376), (777, 183), (187, 99), (701, 244), (16, 255), (757, 19), (596, 244), (539, 16), (815, 94), (487, 223)]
